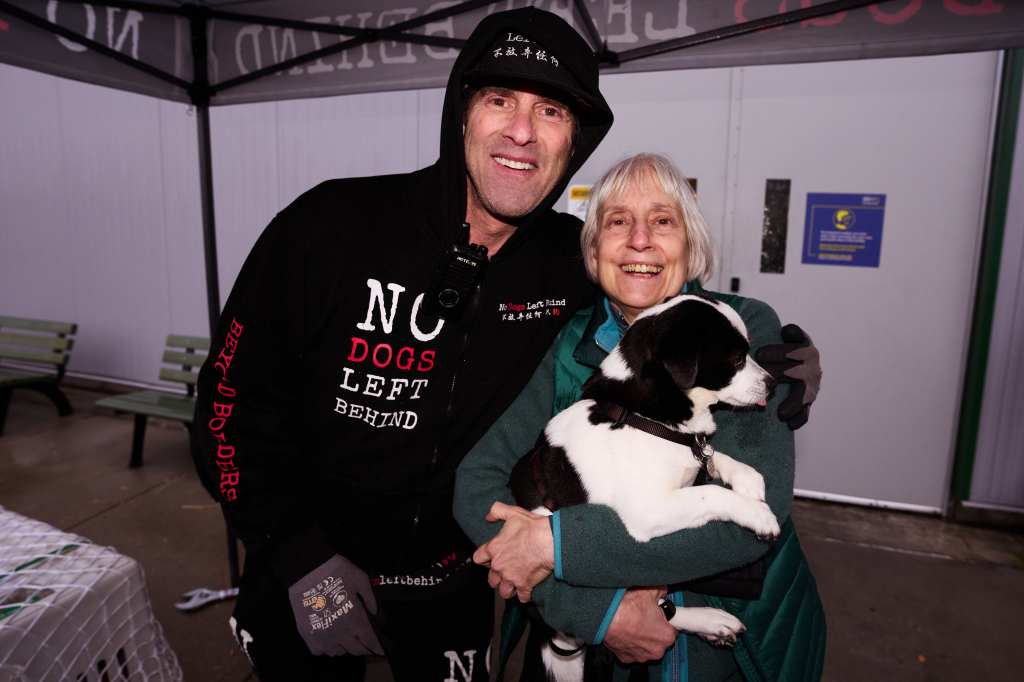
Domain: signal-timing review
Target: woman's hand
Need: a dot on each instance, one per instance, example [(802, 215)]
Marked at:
[(521, 555), (639, 631)]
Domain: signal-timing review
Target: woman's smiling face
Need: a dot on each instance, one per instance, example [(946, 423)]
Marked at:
[(640, 254)]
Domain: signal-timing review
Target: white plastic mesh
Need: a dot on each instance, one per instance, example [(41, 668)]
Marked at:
[(72, 610)]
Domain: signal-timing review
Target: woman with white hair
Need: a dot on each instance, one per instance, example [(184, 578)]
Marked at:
[(645, 240)]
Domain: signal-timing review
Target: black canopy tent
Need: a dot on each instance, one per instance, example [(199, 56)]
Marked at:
[(187, 52), (218, 52)]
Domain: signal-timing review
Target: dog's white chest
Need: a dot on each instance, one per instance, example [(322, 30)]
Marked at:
[(619, 465)]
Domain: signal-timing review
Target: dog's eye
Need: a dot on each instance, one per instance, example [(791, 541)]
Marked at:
[(739, 362)]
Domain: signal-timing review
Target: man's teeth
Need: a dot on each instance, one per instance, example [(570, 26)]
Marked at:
[(518, 165), (644, 268)]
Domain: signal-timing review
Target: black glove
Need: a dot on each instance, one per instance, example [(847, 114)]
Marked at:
[(795, 362), (332, 606)]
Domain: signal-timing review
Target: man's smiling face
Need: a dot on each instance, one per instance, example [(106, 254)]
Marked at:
[(517, 146)]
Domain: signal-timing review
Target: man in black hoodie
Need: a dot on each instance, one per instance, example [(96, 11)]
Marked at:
[(362, 352)]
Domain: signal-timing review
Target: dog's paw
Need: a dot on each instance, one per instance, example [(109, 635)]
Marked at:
[(713, 625), (758, 517), (749, 483), (722, 642)]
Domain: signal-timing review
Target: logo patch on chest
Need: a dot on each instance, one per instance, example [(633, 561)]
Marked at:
[(531, 310)]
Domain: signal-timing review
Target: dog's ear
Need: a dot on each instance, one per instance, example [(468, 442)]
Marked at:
[(682, 366), (638, 345), (677, 345)]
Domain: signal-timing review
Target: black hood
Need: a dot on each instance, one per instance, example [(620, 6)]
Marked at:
[(594, 119)]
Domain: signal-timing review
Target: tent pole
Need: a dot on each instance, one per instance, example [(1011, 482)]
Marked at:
[(588, 25), (209, 223), (212, 282), (200, 93)]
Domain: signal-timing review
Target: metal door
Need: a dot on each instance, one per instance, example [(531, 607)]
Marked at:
[(893, 337)]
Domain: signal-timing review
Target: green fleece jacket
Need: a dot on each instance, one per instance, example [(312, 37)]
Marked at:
[(595, 555)]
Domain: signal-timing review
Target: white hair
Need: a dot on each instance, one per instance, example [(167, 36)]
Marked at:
[(630, 172)]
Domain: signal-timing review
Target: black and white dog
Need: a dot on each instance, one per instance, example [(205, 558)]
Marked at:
[(637, 440)]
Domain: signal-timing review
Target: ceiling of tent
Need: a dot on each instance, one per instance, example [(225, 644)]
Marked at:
[(371, 45)]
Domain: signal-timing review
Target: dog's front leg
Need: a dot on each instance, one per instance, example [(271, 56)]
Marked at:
[(714, 625), (742, 478), (693, 507)]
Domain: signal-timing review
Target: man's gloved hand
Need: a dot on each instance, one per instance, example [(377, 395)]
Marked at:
[(332, 606), (795, 362)]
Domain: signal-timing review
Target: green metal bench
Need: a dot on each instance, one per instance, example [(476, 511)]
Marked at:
[(41, 349), (184, 357)]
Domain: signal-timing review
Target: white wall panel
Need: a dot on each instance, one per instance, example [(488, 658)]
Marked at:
[(36, 267), (182, 221), (100, 219), (115, 197), (245, 182), (893, 338), (429, 106), (341, 137), (265, 155)]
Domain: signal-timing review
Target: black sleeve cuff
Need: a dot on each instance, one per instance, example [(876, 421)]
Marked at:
[(300, 554)]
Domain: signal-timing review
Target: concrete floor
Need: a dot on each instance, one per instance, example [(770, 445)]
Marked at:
[(907, 597)]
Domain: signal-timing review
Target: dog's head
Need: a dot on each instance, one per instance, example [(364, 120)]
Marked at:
[(688, 352)]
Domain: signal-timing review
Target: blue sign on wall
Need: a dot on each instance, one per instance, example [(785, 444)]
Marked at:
[(844, 229)]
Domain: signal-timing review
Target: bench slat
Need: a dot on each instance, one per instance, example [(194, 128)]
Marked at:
[(153, 404), (179, 375), (179, 341), (17, 377), (173, 357), (45, 358), (38, 325), (54, 342)]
